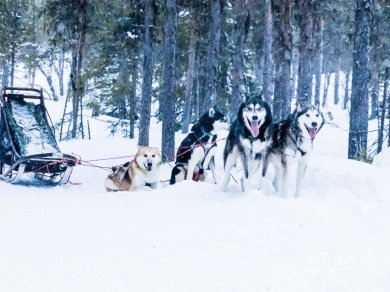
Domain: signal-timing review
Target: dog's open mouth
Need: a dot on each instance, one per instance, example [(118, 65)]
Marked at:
[(148, 167), (255, 129), (312, 131)]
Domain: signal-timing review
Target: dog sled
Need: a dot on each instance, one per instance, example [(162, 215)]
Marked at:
[(27, 141)]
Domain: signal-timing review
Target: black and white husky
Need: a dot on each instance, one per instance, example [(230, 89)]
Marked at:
[(293, 141), (249, 136), (196, 152)]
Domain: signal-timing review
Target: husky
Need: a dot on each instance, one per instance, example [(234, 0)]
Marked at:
[(197, 150), (142, 173), (249, 136), (293, 141)]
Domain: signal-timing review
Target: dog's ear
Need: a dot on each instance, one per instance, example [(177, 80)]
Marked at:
[(211, 112), (317, 104), (299, 105)]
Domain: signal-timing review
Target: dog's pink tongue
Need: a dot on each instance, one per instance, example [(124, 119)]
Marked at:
[(312, 132), (255, 128)]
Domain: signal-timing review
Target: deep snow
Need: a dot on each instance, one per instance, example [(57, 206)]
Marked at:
[(191, 236)]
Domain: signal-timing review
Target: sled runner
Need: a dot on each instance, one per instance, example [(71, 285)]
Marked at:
[(27, 141)]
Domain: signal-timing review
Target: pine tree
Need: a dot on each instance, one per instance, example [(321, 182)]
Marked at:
[(146, 100), (190, 72), (268, 61), (213, 53), (282, 52), (305, 52), (239, 38), (358, 123), (167, 107)]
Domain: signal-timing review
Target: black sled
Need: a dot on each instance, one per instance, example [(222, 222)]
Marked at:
[(27, 141)]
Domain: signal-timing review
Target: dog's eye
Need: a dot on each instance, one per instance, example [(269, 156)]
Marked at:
[(308, 115), (317, 115), (249, 109), (145, 155), (153, 155)]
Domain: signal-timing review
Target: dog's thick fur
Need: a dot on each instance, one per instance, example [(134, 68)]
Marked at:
[(196, 152), (293, 140), (249, 136), (142, 173)]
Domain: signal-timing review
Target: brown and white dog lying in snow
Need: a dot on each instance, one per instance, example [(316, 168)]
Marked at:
[(142, 173)]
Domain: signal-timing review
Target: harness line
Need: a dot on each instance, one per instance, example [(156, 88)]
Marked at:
[(190, 148)]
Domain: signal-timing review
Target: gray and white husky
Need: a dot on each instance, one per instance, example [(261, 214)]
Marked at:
[(293, 142), (249, 136)]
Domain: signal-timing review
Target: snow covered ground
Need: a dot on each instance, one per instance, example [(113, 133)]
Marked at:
[(191, 236)]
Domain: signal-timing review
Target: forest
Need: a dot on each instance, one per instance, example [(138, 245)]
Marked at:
[(173, 59)]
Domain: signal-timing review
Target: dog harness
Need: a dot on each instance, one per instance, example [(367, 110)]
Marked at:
[(303, 153)]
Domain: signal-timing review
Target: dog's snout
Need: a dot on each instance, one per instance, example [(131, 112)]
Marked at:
[(314, 124), (255, 118), (149, 164)]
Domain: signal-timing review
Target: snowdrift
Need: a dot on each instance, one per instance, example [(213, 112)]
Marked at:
[(192, 237)]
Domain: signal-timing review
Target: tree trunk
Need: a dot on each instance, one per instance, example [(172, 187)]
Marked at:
[(305, 52), (65, 107), (203, 85), (374, 93), (238, 58), (318, 27), (49, 82), (61, 72), (283, 51), (123, 83), (5, 77), (144, 125), (337, 79), (213, 53), (326, 87), (59, 69), (80, 83), (375, 63), (358, 123), (346, 94), (75, 95), (169, 98), (197, 102), (190, 77), (383, 114), (133, 97), (268, 64), (257, 40), (12, 75), (294, 62)]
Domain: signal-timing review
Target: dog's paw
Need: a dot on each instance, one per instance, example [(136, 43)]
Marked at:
[(245, 184)]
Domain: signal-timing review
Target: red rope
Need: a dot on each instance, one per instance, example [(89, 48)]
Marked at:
[(110, 158), (191, 148), (88, 162), (73, 183)]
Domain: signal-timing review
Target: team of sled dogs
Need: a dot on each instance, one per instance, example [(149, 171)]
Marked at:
[(254, 140)]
